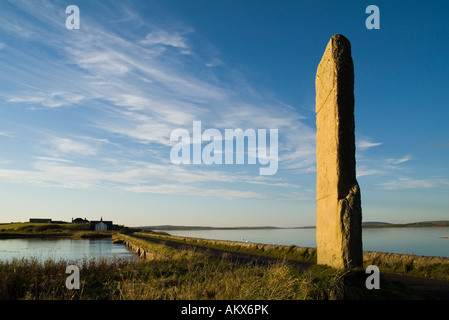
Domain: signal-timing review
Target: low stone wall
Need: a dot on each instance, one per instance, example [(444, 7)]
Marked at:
[(386, 257), (392, 258), (134, 246)]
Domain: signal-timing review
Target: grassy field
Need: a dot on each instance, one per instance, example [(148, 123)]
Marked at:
[(187, 275), (15, 226), (294, 253), (46, 230), (171, 273), (437, 268)]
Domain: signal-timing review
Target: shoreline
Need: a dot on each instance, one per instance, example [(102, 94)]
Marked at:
[(424, 224), (427, 266), (418, 258), (75, 236)]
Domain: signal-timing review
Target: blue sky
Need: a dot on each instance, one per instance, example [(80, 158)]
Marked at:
[(86, 115)]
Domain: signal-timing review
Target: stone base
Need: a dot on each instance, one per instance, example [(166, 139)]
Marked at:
[(339, 236)]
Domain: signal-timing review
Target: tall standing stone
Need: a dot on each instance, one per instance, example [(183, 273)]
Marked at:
[(339, 211)]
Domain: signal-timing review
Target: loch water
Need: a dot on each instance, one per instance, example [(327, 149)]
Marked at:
[(425, 241), (62, 249)]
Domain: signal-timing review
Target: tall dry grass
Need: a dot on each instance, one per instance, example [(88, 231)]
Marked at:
[(184, 275), (173, 274)]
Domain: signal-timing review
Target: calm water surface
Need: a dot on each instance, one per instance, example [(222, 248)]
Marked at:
[(57, 249), (432, 241), (419, 241)]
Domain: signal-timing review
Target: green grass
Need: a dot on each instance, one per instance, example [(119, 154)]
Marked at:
[(403, 264), (28, 227), (292, 252), (181, 274), (15, 226), (407, 265), (187, 275), (45, 230), (170, 273)]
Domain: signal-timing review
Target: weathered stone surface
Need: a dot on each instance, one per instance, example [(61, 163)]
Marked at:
[(339, 212)]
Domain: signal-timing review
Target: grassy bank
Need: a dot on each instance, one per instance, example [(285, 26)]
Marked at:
[(170, 273), (50, 230), (187, 275), (294, 253), (421, 266), (432, 267)]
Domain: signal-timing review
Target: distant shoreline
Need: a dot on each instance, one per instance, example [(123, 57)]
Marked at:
[(373, 224), (60, 230)]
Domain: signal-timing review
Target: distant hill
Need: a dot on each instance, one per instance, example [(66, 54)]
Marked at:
[(374, 223), (438, 223), (172, 227), (366, 224)]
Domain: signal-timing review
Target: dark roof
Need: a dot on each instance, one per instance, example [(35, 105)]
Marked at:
[(41, 220), (98, 221)]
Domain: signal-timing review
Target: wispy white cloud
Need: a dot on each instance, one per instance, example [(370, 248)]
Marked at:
[(140, 88), (165, 38), (381, 166), (214, 63), (363, 171), (399, 160), (53, 159), (113, 69), (52, 100), (370, 167), (410, 183), (103, 63), (141, 178), (196, 191), (365, 144), (64, 146), (299, 149)]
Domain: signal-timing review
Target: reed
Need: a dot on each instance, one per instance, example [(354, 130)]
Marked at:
[(179, 274)]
